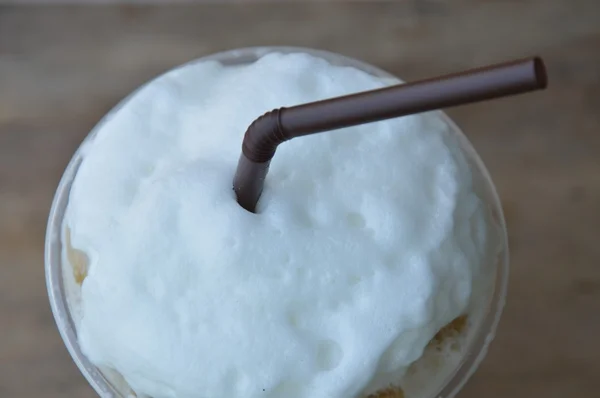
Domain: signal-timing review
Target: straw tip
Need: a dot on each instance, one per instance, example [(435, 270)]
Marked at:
[(541, 75)]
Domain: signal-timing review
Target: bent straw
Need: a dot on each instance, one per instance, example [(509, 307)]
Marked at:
[(268, 131)]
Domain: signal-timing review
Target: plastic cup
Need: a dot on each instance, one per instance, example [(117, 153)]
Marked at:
[(106, 386)]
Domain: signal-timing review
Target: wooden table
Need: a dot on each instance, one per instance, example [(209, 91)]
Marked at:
[(62, 68)]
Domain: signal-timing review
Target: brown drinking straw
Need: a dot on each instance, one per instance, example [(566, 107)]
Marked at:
[(268, 131)]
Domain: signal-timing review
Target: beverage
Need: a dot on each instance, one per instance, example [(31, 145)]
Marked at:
[(342, 285)]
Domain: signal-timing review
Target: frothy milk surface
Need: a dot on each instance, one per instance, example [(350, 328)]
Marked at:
[(367, 241)]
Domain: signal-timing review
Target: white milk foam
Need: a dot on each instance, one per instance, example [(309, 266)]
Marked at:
[(367, 240)]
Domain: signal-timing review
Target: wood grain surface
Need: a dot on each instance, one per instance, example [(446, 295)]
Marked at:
[(62, 68)]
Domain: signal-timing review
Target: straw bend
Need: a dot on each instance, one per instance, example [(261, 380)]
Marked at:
[(263, 136)]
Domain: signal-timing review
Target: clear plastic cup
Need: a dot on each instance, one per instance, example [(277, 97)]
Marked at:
[(105, 384)]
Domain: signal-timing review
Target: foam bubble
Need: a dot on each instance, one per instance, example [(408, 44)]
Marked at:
[(368, 240)]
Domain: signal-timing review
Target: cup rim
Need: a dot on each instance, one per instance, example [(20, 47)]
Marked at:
[(478, 344)]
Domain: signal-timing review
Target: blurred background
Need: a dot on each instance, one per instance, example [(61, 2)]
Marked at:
[(63, 67)]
